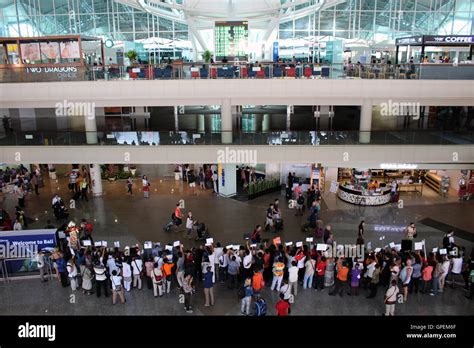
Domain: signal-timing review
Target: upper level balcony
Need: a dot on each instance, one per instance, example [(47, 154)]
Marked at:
[(264, 70)]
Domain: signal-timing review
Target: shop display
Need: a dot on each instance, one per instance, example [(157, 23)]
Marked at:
[(361, 190)]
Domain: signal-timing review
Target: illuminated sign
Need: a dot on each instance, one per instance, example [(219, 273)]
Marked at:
[(398, 166), (231, 40), (448, 40)]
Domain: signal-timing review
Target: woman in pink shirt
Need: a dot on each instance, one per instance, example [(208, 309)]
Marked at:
[(427, 275)]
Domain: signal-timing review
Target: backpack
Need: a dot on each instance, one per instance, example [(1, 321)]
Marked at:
[(241, 293), (260, 308)]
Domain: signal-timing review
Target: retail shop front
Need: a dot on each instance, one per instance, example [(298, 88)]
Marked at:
[(50, 58), (376, 187)]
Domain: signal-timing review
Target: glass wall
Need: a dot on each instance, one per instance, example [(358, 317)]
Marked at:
[(99, 18), (372, 21)]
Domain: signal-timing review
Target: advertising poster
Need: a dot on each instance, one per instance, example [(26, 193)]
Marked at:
[(21, 248), (30, 51), (49, 50), (70, 50)]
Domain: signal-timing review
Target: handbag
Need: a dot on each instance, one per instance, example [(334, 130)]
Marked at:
[(118, 287)]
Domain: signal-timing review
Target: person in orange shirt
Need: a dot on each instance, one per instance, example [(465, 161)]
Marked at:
[(167, 270), (341, 278)]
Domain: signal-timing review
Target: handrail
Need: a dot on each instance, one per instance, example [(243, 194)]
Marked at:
[(235, 70), (308, 138)]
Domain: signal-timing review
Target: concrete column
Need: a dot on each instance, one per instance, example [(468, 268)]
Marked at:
[(289, 111), (91, 129), (176, 121), (226, 121), (201, 124), (266, 123), (96, 180), (365, 122), (227, 180)]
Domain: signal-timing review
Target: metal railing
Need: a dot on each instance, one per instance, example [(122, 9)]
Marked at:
[(308, 138), (189, 71)]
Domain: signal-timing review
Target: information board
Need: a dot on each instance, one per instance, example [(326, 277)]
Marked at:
[(231, 40)]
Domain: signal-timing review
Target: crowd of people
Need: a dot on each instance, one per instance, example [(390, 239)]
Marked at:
[(248, 269), (255, 266)]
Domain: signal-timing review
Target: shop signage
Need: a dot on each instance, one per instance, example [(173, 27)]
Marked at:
[(334, 186), (414, 40), (448, 40), (69, 72), (398, 166)]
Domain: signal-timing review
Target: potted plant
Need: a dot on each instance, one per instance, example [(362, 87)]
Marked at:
[(132, 55), (207, 55)]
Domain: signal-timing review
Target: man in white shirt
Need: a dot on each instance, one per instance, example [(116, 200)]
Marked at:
[(41, 265), (223, 263), (247, 264), (100, 279), (127, 275), (137, 266), (72, 274), (456, 270), (293, 278), (117, 289), (218, 251), (390, 298)]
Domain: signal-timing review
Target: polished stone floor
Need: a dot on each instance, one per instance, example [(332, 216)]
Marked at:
[(132, 219)]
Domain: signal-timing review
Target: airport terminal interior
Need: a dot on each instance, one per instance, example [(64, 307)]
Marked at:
[(237, 157)]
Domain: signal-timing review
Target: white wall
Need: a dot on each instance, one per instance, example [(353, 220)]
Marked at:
[(240, 92), (363, 156), (302, 171)]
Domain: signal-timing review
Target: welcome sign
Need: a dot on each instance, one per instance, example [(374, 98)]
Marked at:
[(21, 247)]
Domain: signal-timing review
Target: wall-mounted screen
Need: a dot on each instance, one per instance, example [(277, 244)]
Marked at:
[(231, 40)]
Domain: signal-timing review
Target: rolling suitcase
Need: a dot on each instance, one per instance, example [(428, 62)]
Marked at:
[(278, 224), (76, 196)]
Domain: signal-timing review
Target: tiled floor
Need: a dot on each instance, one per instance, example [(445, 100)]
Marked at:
[(132, 219)]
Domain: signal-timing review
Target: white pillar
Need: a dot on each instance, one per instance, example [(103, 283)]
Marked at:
[(365, 122), (266, 123), (289, 111), (201, 124), (176, 122), (227, 180), (226, 121), (91, 129), (96, 180)]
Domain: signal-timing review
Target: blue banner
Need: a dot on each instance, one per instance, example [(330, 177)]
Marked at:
[(21, 247), (275, 51)]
